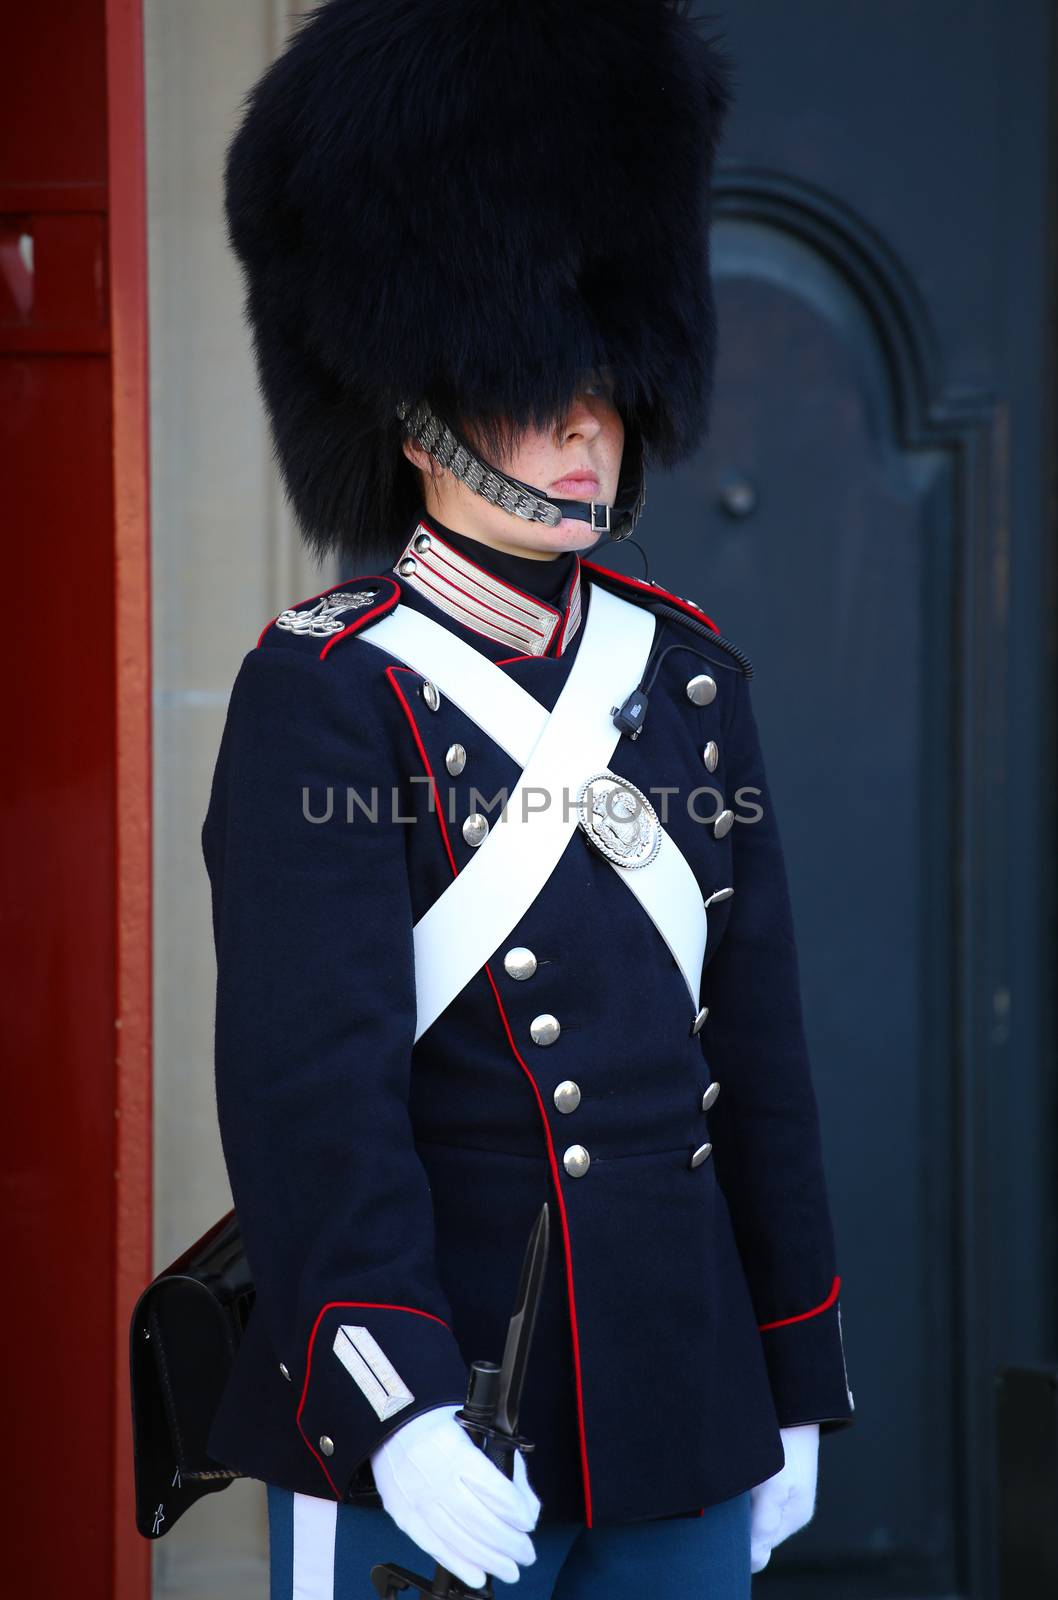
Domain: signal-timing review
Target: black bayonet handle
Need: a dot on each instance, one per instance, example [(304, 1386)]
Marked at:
[(490, 1416)]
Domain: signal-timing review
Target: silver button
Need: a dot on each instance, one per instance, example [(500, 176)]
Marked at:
[(422, 543), (699, 1021), (544, 1029), (408, 566), (455, 759), (717, 894), (709, 1097), (711, 755), (723, 823), (431, 694), (326, 1445), (701, 689), (700, 1154), (567, 1095), (475, 828), (519, 963), (283, 1370), (576, 1161)]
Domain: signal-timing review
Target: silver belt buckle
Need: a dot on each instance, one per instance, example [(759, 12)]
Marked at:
[(618, 819)]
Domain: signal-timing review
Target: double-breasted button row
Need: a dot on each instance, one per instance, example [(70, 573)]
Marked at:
[(701, 691), (704, 1151), (520, 963), (476, 826)]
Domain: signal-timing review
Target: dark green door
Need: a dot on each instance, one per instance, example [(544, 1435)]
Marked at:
[(872, 522)]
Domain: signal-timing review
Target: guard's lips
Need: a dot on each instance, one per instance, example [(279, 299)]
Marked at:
[(577, 482)]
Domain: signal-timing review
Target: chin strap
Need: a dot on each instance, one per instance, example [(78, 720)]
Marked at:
[(441, 441)]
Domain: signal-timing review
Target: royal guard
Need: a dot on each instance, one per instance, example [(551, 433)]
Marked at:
[(499, 902)]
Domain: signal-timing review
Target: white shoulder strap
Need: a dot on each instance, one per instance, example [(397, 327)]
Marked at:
[(557, 752), (510, 716)]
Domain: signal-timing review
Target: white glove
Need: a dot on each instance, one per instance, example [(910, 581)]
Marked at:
[(784, 1503), (446, 1495)]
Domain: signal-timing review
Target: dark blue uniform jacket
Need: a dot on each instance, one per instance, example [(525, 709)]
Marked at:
[(690, 1311)]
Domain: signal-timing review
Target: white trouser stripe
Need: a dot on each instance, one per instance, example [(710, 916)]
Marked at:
[(315, 1528)]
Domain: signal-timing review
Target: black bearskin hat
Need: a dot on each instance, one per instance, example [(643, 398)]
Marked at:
[(473, 202)]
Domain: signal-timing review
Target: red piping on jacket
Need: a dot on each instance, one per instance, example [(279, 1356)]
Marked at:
[(652, 589), (803, 1315), (370, 1305), (567, 1249)]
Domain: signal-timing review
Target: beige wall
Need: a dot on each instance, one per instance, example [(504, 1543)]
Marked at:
[(225, 559)]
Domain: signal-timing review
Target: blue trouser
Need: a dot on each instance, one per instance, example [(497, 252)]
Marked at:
[(320, 1550)]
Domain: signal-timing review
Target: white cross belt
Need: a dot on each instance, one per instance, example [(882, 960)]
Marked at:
[(557, 751)]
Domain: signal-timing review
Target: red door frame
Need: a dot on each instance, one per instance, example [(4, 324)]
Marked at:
[(126, 180), (75, 803)]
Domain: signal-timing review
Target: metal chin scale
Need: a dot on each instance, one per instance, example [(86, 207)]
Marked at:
[(442, 441)]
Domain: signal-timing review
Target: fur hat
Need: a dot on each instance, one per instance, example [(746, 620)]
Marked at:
[(473, 202)]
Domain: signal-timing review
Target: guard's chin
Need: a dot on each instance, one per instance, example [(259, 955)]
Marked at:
[(578, 535)]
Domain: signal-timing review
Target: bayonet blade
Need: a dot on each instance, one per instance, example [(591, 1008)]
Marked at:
[(522, 1323)]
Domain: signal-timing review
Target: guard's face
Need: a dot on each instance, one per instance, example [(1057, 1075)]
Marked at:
[(577, 459)]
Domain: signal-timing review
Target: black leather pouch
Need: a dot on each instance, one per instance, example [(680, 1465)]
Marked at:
[(183, 1335)]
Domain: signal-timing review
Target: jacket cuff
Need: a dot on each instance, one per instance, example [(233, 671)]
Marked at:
[(370, 1368), (805, 1356)]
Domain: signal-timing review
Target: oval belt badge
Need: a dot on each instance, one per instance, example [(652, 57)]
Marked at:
[(618, 819)]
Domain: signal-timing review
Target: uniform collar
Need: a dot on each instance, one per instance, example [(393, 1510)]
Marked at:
[(484, 602)]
